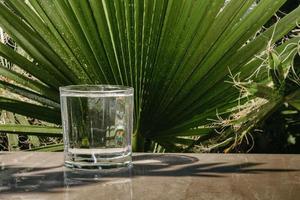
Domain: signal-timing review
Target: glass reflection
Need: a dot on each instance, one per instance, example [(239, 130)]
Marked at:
[(106, 184)]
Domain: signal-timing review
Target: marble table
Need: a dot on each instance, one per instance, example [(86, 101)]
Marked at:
[(39, 176)]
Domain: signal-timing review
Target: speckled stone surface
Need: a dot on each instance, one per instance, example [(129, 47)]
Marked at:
[(39, 176)]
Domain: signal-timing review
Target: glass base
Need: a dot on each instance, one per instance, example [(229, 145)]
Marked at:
[(97, 161)]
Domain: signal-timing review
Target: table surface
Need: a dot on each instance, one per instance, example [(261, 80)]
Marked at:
[(42, 176)]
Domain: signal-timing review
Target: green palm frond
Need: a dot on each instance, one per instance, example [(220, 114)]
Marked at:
[(178, 56)]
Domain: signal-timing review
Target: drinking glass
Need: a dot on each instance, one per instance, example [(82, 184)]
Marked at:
[(97, 125)]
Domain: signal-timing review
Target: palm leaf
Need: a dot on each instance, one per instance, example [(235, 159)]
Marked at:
[(34, 45), (33, 139), (177, 55), (12, 138), (31, 110), (51, 148), (31, 130)]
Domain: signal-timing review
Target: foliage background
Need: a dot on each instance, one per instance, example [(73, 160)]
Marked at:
[(193, 76)]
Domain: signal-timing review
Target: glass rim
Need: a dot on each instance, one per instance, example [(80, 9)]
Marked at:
[(96, 89)]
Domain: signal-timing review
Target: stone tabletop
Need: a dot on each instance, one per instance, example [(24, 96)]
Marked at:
[(42, 176)]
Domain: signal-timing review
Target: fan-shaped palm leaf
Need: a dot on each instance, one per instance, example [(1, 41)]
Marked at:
[(176, 54)]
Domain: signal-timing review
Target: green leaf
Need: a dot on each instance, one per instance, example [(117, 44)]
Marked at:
[(29, 83), (33, 140), (294, 99), (177, 140), (28, 94), (45, 29), (180, 57), (31, 130), (12, 139), (186, 132), (26, 65), (276, 69), (191, 87), (49, 148), (35, 46), (31, 110)]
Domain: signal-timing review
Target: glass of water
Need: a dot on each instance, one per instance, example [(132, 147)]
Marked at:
[(97, 122)]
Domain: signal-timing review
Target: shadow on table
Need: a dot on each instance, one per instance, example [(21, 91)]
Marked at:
[(57, 179)]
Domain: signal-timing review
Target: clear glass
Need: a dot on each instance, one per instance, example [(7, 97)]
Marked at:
[(97, 122)]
